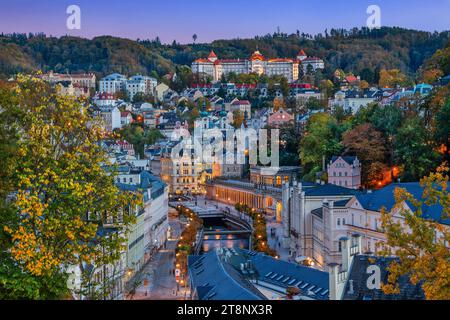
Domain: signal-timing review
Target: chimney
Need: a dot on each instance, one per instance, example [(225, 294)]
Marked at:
[(333, 272), (331, 204), (357, 241), (345, 250)]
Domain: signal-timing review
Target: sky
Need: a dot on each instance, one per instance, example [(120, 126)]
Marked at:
[(214, 19)]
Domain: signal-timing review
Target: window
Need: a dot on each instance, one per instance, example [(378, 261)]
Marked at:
[(338, 221), (343, 221)]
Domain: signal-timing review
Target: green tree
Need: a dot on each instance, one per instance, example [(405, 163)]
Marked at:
[(321, 139), (139, 137), (414, 151), (442, 131)]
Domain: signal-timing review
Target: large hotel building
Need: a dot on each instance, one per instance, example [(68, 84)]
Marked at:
[(257, 63)]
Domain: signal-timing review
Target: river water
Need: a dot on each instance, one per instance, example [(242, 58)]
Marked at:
[(225, 241)]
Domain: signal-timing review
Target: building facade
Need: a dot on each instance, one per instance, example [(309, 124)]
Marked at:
[(257, 63), (345, 172)]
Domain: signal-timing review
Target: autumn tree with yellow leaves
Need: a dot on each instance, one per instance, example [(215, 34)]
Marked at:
[(59, 195), (418, 240)]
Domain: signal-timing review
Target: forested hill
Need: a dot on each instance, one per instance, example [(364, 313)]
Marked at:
[(360, 51)]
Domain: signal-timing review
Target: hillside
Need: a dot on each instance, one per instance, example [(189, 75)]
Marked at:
[(360, 51)]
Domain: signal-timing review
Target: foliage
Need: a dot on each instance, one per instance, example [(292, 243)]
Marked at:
[(57, 180), (139, 136), (321, 139), (413, 151), (352, 50), (418, 241), (369, 146)]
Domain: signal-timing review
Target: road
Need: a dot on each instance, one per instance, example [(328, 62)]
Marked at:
[(159, 272)]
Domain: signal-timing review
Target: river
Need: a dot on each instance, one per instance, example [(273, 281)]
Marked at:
[(228, 241)]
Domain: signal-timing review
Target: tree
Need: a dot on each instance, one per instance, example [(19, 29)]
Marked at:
[(413, 150), (321, 139), (442, 131), (369, 146), (139, 137), (419, 240), (62, 194), (392, 78)]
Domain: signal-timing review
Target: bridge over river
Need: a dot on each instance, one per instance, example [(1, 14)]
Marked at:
[(220, 226)]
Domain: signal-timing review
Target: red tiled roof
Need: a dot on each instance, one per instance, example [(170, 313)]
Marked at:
[(280, 60), (212, 54), (257, 56), (241, 102), (351, 78), (301, 53)]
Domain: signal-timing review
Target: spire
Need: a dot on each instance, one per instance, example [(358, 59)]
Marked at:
[(212, 56)]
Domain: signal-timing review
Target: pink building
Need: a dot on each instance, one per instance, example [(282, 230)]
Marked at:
[(345, 172), (279, 118)]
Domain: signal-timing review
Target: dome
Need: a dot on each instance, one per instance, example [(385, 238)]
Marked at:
[(257, 56)]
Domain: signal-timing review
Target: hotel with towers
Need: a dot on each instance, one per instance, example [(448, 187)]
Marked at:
[(257, 63)]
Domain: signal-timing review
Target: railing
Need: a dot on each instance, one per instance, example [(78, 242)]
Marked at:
[(199, 241)]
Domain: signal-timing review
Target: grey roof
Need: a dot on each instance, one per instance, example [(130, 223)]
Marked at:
[(307, 279), (147, 181), (378, 199), (348, 159), (329, 190), (358, 277), (215, 280), (267, 270)]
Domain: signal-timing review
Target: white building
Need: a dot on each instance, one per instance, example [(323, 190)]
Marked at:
[(317, 217), (345, 172), (257, 63), (140, 84), (113, 83), (111, 118)]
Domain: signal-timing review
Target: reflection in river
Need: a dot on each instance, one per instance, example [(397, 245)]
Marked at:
[(228, 241)]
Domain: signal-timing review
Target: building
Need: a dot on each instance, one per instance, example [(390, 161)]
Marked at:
[(353, 100), (359, 277), (113, 83), (320, 216), (345, 172), (244, 106), (313, 64), (125, 118), (181, 173), (140, 84), (263, 192), (149, 232), (280, 118), (298, 202), (257, 63), (111, 118), (87, 80), (104, 99), (67, 88), (160, 90)]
